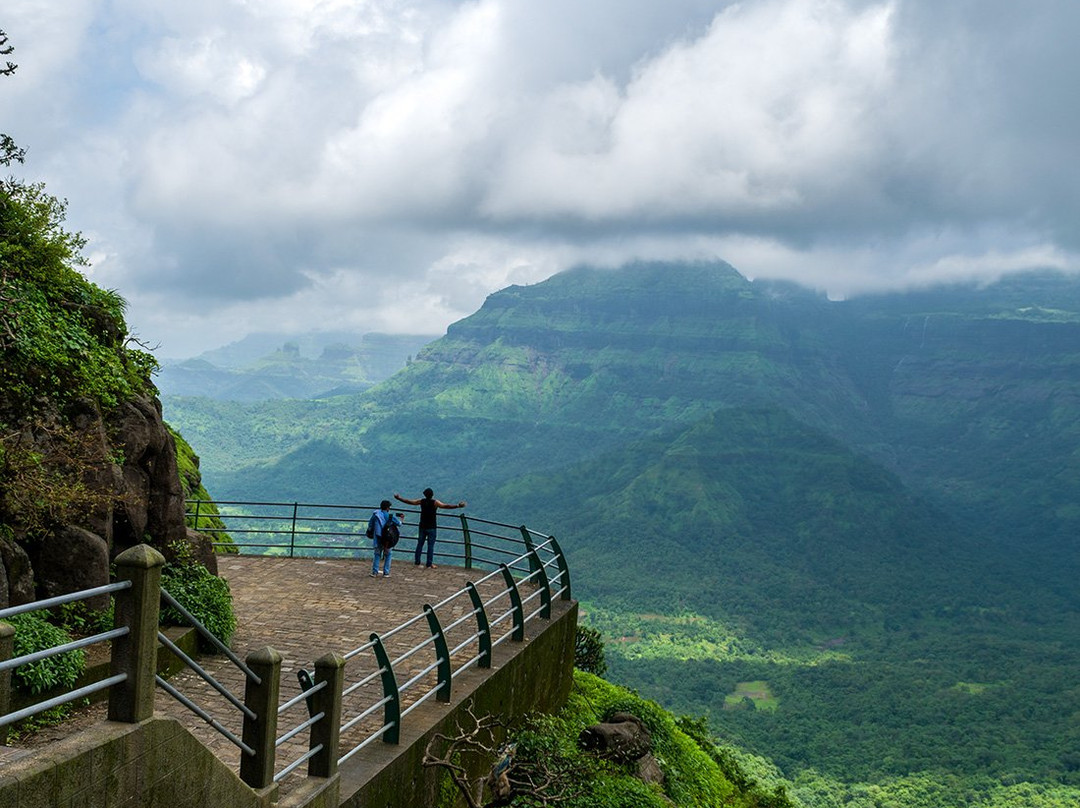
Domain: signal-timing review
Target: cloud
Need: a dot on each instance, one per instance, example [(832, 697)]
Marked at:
[(761, 115), (301, 161)]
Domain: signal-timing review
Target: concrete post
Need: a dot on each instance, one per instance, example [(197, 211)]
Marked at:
[(136, 653), (7, 651), (329, 669), (260, 733)]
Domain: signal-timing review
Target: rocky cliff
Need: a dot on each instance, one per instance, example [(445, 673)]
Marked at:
[(87, 466)]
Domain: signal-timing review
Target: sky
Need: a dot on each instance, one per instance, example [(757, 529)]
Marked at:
[(384, 165)]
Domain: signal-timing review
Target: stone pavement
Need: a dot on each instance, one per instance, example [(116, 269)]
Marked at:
[(305, 608)]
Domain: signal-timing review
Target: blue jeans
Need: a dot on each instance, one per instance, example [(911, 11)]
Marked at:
[(425, 534), (384, 555)]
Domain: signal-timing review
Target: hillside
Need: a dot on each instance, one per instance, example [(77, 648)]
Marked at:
[(822, 504), (269, 366), (88, 468)]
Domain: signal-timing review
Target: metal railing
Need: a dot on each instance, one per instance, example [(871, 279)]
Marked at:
[(8, 663), (493, 610), (474, 633), (249, 714), (304, 529)]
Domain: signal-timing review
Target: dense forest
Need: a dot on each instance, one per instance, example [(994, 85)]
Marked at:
[(844, 532)]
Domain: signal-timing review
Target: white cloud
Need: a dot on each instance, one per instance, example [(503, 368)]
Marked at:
[(285, 161), (766, 110)]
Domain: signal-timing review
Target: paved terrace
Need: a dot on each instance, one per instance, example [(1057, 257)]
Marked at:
[(305, 608)]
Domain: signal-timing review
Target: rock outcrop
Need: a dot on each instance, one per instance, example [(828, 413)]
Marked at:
[(127, 470)]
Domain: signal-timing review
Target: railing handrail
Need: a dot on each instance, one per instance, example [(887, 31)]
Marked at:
[(60, 600)]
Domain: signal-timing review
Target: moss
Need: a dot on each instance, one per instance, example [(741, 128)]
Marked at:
[(692, 777), (209, 520)]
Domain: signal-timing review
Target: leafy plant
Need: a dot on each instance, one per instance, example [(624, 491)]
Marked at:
[(589, 651), (62, 340), (62, 336), (34, 633), (79, 619), (206, 596)]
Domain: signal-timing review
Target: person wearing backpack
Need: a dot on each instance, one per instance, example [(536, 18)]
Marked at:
[(429, 508), (384, 529)]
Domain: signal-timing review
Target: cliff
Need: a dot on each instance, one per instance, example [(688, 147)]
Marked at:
[(87, 465)]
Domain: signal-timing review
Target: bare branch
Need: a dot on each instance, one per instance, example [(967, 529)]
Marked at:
[(544, 782)]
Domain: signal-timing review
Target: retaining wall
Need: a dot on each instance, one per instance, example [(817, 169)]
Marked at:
[(157, 763)]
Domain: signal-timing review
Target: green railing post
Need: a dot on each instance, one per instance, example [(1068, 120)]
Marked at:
[(515, 600), (564, 569), (135, 654), (7, 651), (326, 732), (391, 694), (292, 530), (468, 541), (483, 629), (530, 548), (541, 580), (442, 654), (260, 733), (198, 503)]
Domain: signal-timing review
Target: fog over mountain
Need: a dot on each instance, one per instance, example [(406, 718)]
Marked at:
[(383, 166)]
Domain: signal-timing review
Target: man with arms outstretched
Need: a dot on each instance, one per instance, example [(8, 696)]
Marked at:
[(429, 507)]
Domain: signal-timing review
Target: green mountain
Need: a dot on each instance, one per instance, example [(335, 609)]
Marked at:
[(859, 515)]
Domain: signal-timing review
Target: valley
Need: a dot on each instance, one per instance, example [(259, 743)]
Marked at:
[(844, 533)]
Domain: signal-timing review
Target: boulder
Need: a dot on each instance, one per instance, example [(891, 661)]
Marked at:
[(130, 493), (622, 738), (201, 548), (71, 559), (648, 769), (152, 501), (18, 574)]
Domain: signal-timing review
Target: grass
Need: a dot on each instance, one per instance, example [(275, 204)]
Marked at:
[(758, 692)]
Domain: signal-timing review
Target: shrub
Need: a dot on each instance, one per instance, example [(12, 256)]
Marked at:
[(203, 594), (589, 651), (34, 633)]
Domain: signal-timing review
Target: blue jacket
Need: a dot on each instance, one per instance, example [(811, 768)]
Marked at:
[(379, 519)]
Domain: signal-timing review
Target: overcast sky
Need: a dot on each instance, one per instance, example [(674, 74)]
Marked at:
[(244, 165)]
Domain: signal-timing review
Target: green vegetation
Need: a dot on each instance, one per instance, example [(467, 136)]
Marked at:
[(868, 505), (62, 336), (755, 695), (202, 593), (34, 633), (589, 651), (695, 771), (64, 347)]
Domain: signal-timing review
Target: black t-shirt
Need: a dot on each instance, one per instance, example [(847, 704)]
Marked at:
[(428, 510)]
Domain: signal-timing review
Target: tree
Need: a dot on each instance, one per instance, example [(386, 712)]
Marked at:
[(9, 150), (541, 782)]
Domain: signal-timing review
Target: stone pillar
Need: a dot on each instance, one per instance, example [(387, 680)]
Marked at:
[(260, 733), (329, 669), (137, 608)]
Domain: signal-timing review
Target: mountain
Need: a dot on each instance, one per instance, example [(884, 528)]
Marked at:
[(268, 366), (862, 513), (952, 390)]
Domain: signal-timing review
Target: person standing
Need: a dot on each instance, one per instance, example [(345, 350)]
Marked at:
[(429, 508), (377, 527)]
